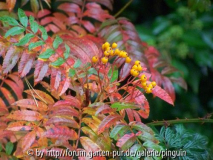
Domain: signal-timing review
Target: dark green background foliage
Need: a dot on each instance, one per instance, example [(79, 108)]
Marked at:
[(183, 32)]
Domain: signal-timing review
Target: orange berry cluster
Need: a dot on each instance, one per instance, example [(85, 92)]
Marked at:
[(136, 68), (147, 87), (111, 50)]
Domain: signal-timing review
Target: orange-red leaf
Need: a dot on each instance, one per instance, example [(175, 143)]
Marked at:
[(63, 120), (162, 94), (61, 132), (42, 96), (108, 122), (41, 69), (18, 126), (126, 141), (25, 115), (10, 4), (28, 140), (63, 110), (89, 145), (31, 104)]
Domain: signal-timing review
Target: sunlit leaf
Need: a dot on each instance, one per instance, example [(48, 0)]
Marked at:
[(57, 41), (35, 44), (33, 24), (25, 39), (46, 54), (11, 21), (14, 31)]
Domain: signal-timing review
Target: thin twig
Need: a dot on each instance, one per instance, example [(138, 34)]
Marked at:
[(123, 8)]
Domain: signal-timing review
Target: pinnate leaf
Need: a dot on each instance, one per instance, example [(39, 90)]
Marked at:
[(9, 148), (61, 132), (119, 106), (108, 122), (67, 51), (126, 141), (46, 54), (33, 24), (118, 131), (18, 126), (77, 63), (57, 41), (42, 96), (89, 145), (35, 44), (31, 104), (58, 62), (28, 140), (25, 115), (22, 17), (71, 72), (14, 31), (11, 21), (162, 94), (44, 32), (25, 39)]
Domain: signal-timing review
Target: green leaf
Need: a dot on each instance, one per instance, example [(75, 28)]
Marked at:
[(22, 17), (114, 74), (67, 51), (58, 62), (33, 25), (92, 71), (9, 148), (36, 44), (77, 63), (118, 131), (49, 52), (11, 21), (72, 72), (14, 31), (44, 32), (57, 41), (0, 147), (25, 39), (121, 106)]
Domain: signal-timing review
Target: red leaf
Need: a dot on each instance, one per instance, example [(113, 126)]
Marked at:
[(18, 126), (106, 3), (89, 145), (70, 7), (25, 115), (41, 69), (15, 77), (63, 110), (59, 23), (108, 122), (75, 102), (25, 64), (130, 114), (18, 90), (126, 141), (168, 86), (162, 94), (31, 104), (61, 132), (8, 95), (42, 96), (63, 120), (10, 59), (104, 109), (89, 26), (43, 13), (53, 28), (28, 140)]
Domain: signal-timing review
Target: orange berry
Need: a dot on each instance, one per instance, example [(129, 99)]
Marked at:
[(135, 73), (106, 53), (139, 68), (153, 83), (135, 67), (131, 71), (106, 44), (137, 62), (128, 59), (117, 52), (94, 59), (124, 54), (150, 86), (121, 54), (114, 45), (143, 78), (104, 60), (144, 84), (148, 90), (112, 53)]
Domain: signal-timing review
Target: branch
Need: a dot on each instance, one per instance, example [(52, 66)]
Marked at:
[(122, 9), (169, 122)]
